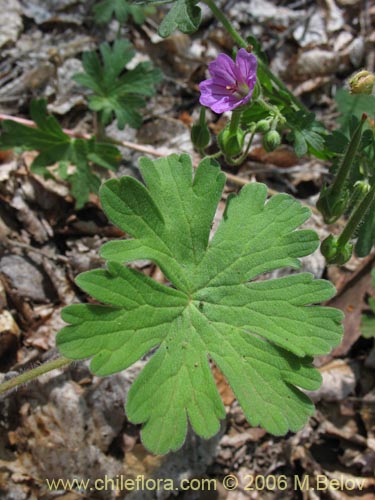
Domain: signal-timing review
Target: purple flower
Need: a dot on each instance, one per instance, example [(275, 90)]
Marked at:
[(232, 83)]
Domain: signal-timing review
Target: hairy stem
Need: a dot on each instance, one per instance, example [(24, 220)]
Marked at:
[(356, 218), (235, 121), (32, 374), (344, 169), (239, 160)]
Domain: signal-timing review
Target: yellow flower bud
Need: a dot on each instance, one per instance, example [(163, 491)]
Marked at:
[(362, 83)]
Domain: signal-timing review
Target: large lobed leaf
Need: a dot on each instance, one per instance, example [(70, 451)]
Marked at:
[(261, 334)]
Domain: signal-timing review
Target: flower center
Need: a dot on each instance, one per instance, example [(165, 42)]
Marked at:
[(240, 90), (243, 89)]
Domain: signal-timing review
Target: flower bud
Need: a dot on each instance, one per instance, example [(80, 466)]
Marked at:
[(362, 83), (200, 135), (332, 205), (271, 140), (231, 143), (335, 253), (263, 126)]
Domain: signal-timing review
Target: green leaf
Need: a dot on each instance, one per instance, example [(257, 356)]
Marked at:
[(55, 146), (350, 105), (120, 9), (117, 93), (184, 15), (368, 327), (307, 134), (260, 334), (368, 322), (253, 114)]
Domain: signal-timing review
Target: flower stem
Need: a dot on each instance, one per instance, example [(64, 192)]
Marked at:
[(270, 107), (356, 218), (241, 42), (235, 121), (213, 156), (30, 375), (240, 159)]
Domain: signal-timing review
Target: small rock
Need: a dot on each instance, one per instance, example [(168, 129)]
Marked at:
[(27, 279), (316, 62), (357, 51), (313, 33), (9, 332), (11, 21)]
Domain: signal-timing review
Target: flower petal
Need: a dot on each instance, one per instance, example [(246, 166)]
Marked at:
[(223, 91), (246, 67), (223, 68), (227, 103)]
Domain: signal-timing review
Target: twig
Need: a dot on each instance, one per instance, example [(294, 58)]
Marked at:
[(238, 181), (127, 144)]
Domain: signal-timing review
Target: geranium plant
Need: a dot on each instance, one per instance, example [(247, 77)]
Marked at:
[(261, 334)]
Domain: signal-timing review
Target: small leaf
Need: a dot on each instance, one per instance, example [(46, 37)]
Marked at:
[(368, 322), (260, 334), (307, 134), (117, 93), (120, 9), (350, 105), (184, 15)]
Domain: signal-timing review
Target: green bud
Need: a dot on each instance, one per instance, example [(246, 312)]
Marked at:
[(200, 134), (362, 83), (335, 253), (231, 143), (359, 191), (271, 140), (263, 126), (330, 205)]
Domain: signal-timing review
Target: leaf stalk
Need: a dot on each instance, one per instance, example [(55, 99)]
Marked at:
[(34, 373)]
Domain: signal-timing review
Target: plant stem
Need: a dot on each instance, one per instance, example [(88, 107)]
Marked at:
[(227, 24), (356, 218), (213, 156), (241, 42), (239, 160), (270, 107), (343, 171), (30, 375), (235, 121)]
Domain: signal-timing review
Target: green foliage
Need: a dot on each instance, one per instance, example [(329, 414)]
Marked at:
[(184, 15), (120, 9), (350, 105), (361, 169), (368, 322), (55, 146), (261, 334), (307, 134), (253, 114), (115, 91)]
